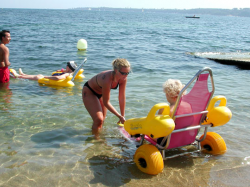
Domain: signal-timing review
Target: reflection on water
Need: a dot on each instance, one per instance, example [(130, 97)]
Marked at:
[(5, 97), (106, 169), (54, 138), (81, 54), (57, 89)]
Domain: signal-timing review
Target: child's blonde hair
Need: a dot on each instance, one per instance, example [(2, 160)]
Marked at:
[(172, 87)]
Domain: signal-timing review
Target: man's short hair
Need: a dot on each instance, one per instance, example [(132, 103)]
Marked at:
[(3, 33)]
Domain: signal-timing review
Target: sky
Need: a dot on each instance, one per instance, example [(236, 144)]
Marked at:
[(166, 4)]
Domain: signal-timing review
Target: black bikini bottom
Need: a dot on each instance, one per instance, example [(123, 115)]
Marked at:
[(96, 94)]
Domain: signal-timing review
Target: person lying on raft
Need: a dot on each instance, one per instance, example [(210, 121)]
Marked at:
[(64, 73), (96, 93)]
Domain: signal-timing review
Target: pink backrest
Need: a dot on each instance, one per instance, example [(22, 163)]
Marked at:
[(195, 101)]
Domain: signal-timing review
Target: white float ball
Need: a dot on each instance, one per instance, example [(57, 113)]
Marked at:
[(82, 45)]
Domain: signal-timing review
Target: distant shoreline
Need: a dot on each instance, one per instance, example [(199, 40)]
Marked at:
[(242, 12)]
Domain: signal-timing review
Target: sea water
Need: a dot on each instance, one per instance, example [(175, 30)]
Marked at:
[(45, 132)]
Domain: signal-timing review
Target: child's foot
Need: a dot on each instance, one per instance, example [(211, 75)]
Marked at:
[(21, 72), (14, 73)]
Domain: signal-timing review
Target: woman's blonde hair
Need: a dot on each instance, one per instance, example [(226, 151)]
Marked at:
[(172, 87), (119, 63)]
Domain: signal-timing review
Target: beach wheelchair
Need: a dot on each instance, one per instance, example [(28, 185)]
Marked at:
[(195, 110)]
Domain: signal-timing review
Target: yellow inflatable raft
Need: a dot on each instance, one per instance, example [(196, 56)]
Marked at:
[(79, 74), (64, 82)]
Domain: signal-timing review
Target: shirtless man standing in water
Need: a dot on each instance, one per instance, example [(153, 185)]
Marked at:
[(4, 56)]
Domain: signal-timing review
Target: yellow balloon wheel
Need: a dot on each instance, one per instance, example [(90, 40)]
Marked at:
[(213, 144), (149, 159)]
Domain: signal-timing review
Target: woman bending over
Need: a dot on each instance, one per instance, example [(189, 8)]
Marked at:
[(96, 93)]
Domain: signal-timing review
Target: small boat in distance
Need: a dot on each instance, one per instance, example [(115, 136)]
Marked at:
[(192, 17)]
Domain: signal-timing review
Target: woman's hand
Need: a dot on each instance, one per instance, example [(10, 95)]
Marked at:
[(60, 70), (122, 120)]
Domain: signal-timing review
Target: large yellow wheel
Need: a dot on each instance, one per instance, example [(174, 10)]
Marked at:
[(149, 159), (213, 144)]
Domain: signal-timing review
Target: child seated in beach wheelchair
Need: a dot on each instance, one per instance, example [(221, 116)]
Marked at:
[(179, 124)]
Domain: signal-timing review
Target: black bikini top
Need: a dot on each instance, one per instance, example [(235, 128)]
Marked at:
[(111, 84)]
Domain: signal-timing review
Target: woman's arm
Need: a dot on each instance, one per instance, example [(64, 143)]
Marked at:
[(160, 111), (60, 70), (58, 77), (122, 96), (106, 86)]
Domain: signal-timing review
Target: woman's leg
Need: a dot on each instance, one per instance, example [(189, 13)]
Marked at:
[(93, 106), (24, 76), (21, 72), (31, 77)]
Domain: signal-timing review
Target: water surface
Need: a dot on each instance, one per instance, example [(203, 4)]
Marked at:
[(45, 132)]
